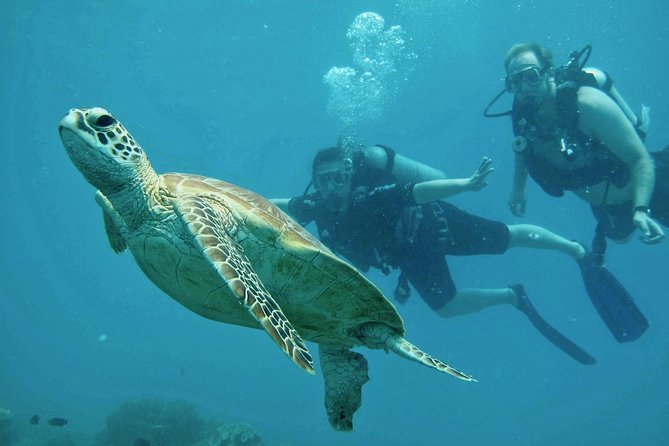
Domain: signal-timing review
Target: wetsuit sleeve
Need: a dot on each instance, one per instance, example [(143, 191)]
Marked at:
[(391, 195), (303, 209)]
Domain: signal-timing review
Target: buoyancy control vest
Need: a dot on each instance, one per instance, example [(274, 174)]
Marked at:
[(599, 164)]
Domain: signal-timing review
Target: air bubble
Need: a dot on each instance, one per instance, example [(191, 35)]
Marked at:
[(381, 64)]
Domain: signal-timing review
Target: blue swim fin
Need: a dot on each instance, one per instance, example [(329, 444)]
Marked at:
[(614, 304), (550, 332)]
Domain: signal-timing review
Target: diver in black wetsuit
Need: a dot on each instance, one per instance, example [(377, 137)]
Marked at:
[(375, 221), (577, 138)]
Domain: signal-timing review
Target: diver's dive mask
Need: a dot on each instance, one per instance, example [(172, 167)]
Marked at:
[(530, 75), (334, 178)]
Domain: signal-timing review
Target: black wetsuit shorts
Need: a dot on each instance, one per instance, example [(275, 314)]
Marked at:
[(443, 229), (615, 221)]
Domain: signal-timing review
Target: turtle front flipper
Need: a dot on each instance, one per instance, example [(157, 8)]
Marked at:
[(344, 373), (114, 224), (213, 227), (378, 335)]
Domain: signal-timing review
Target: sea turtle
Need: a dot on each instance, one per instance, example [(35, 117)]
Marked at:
[(230, 255)]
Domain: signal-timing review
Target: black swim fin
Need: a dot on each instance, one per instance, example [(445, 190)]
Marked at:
[(614, 304), (550, 332)]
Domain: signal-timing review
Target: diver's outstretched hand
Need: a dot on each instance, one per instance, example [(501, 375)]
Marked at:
[(651, 232), (478, 181)]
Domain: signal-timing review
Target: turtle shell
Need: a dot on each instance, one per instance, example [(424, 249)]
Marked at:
[(324, 297)]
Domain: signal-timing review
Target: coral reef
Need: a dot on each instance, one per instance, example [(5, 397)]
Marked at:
[(6, 434), (61, 438), (145, 421), (235, 435), (32, 434), (165, 423)]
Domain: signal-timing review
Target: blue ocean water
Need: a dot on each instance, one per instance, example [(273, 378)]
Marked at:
[(234, 90)]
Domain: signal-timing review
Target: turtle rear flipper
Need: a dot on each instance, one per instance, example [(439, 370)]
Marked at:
[(213, 226), (344, 374), (377, 335)]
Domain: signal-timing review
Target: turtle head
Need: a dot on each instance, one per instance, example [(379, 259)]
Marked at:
[(101, 148)]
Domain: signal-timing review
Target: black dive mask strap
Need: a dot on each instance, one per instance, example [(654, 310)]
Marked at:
[(306, 190), (486, 111)]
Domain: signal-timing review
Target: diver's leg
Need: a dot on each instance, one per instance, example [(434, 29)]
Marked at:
[(532, 236), (473, 300), (432, 279)]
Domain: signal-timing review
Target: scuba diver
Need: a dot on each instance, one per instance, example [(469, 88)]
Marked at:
[(376, 219), (573, 131)]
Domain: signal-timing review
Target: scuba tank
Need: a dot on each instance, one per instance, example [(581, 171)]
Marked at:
[(403, 169), (574, 70), (381, 158), (605, 83)]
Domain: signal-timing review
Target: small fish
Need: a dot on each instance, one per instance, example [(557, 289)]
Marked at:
[(57, 421), (141, 442), (34, 419)]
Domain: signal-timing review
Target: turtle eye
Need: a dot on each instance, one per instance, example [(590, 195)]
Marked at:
[(100, 118), (105, 121)]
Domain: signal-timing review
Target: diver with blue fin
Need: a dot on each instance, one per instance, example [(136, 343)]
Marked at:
[(574, 132)]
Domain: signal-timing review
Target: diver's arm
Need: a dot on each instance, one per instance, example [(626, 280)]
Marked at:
[(429, 191), (281, 203), (518, 199), (601, 118), (405, 170), (302, 208)]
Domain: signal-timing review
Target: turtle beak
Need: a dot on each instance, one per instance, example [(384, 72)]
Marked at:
[(74, 120), (74, 132)]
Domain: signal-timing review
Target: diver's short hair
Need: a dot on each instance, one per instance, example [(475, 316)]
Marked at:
[(543, 54), (328, 155)]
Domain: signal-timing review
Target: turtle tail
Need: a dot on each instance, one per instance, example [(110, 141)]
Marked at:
[(379, 335)]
